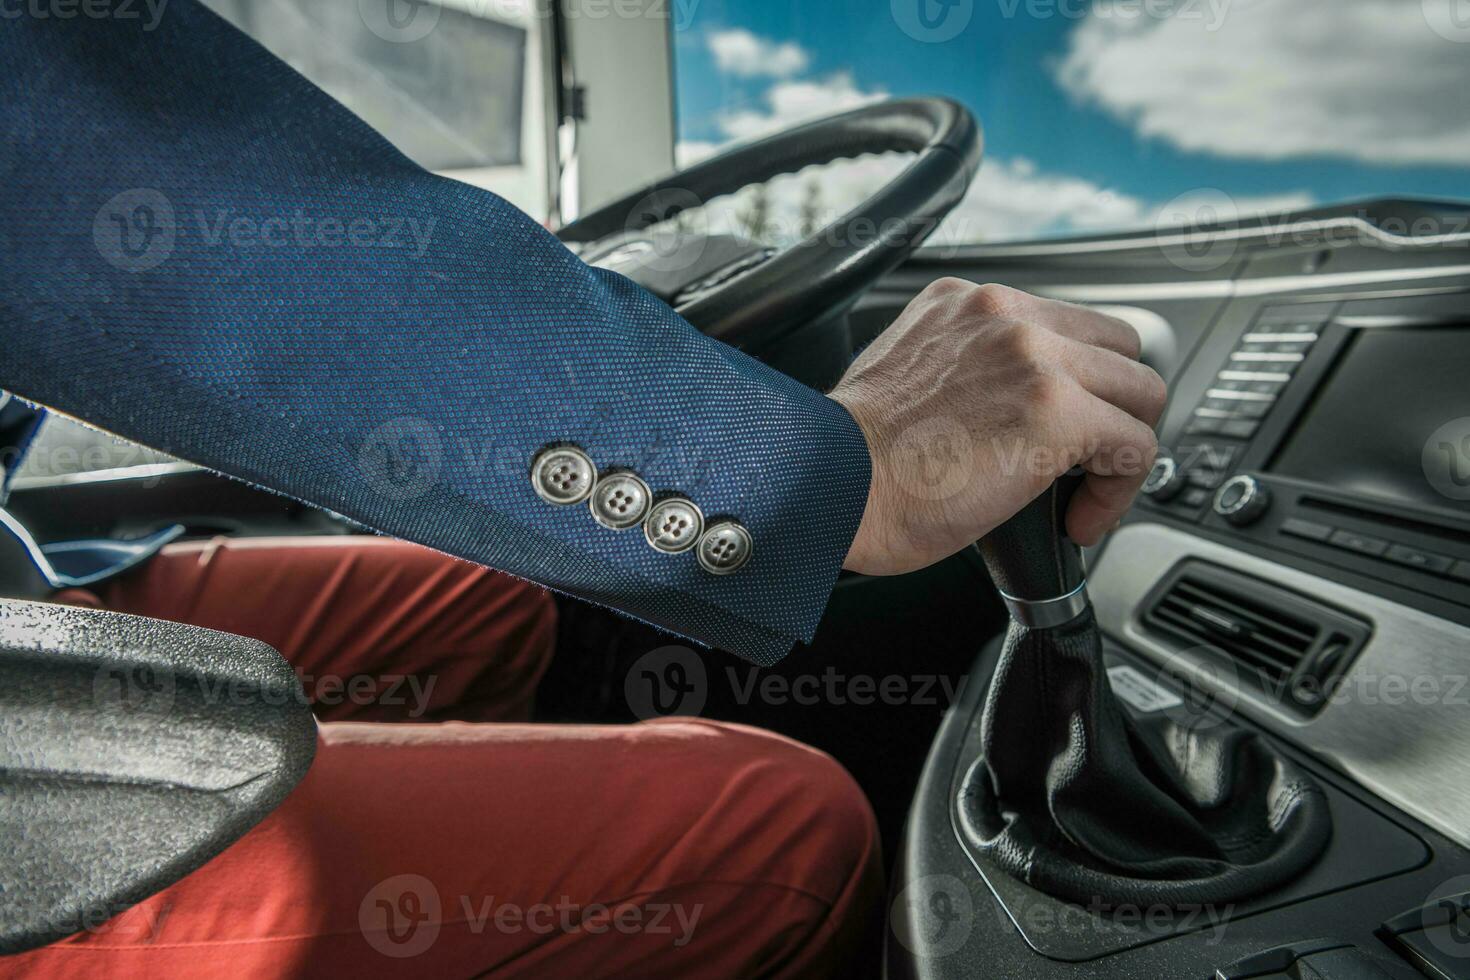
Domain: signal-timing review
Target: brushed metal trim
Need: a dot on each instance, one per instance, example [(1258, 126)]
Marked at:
[(1272, 233), (1326, 280), (1398, 321), (1412, 752), (1137, 292), (1236, 288), (1045, 614)]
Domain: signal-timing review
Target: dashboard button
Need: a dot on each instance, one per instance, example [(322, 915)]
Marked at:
[(1230, 376), (1415, 558), (1253, 410), (1362, 543), (1240, 428), (1204, 427), (1310, 530), (1219, 408)]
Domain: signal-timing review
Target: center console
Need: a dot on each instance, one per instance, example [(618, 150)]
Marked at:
[(1298, 569), (1335, 431)]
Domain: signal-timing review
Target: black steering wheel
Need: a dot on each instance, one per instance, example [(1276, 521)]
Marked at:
[(749, 294)]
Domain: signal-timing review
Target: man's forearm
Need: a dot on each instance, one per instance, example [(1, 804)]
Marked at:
[(199, 254)]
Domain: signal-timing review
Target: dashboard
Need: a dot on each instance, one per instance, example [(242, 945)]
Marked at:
[(1298, 563)]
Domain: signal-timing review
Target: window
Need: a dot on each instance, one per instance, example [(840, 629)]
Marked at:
[(457, 85), (1103, 115)]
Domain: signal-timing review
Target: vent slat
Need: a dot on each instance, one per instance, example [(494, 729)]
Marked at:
[(1271, 646), (1288, 655), (1268, 620), (1251, 658), (1244, 607)]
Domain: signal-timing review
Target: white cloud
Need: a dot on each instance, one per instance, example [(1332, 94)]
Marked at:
[(689, 152), (797, 101), (748, 55), (1011, 200), (1368, 80)]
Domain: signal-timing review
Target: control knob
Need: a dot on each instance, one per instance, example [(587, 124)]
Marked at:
[(1241, 500), (1165, 480)]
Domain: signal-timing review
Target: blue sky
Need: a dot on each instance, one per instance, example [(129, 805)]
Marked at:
[(1274, 102)]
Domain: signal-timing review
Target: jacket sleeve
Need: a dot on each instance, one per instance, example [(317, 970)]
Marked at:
[(206, 254)]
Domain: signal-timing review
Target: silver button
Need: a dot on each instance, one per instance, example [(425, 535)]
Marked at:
[(673, 525), (724, 548), (563, 475), (620, 500)]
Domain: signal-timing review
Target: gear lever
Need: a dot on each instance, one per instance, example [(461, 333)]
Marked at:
[(1084, 802), (1036, 567)]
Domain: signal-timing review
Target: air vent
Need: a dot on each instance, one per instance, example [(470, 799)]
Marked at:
[(1288, 646)]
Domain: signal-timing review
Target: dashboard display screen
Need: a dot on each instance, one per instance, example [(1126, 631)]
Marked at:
[(1392, 421)]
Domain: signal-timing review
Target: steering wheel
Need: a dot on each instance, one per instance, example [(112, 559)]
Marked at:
[(749, 294)]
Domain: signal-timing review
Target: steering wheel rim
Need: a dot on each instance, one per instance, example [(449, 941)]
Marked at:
[(831, 267)]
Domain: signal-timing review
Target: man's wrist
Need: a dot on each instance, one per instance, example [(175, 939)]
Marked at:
[(862, 553)]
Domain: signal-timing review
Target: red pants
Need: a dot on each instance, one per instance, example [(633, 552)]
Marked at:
[(675, 848)]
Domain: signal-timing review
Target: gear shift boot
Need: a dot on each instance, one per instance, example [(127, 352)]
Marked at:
[(1077, 800)]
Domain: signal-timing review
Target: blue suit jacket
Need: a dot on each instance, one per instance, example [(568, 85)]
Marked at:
[(204, 253)]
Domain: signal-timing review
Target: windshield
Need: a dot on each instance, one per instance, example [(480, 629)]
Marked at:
[(1103, 115)]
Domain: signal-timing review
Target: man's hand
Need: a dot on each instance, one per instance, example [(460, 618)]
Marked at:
[(975, 400)]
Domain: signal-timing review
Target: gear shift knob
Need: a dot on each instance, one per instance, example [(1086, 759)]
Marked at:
[(1036, 567)]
